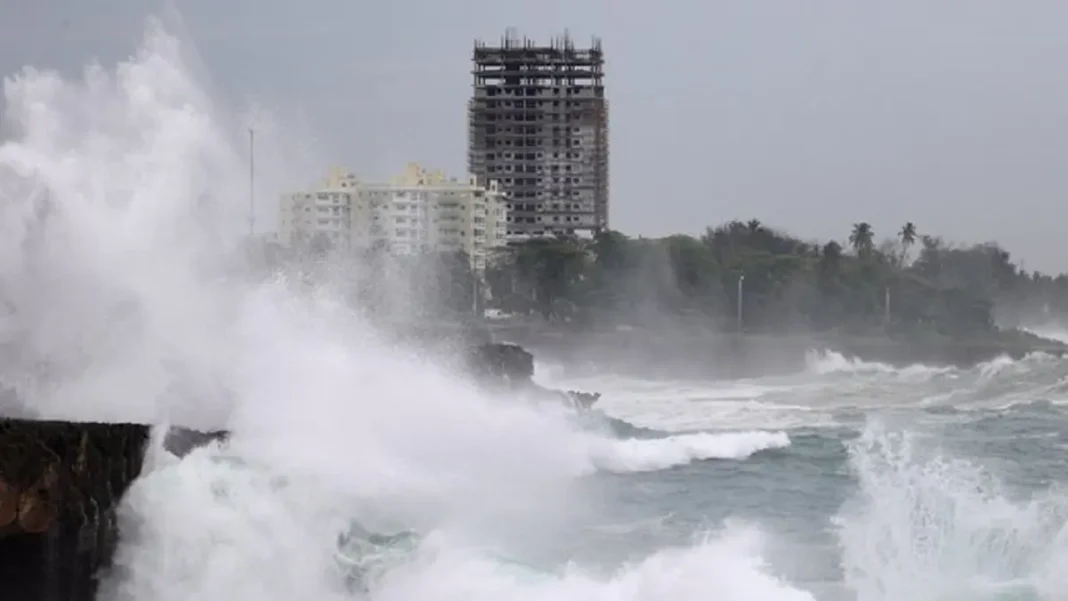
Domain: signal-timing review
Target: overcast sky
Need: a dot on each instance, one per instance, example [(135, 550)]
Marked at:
[(809, 115)]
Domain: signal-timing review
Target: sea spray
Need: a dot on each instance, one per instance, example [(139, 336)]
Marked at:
[(120, 277), (926, 526), (109, 277), (649, 454)]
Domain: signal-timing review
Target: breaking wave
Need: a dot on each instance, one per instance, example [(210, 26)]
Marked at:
[(215, 522), (824, 362), (925, 525), (637, 455)]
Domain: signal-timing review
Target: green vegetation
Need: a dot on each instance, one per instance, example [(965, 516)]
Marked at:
[(784, 284), (911, 287)]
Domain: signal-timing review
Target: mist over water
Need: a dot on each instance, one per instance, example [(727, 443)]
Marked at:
[(359, 470)]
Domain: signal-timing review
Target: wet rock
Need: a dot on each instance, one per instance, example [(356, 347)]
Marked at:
[(585, 400), (502, 363), (59, 485), (510, 367), (182, 441)]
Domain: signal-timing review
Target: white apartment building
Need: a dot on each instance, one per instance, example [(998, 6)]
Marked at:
[(417, 211)]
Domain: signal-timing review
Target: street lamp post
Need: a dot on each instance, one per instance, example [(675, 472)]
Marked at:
[(474, 294), (886, 309)]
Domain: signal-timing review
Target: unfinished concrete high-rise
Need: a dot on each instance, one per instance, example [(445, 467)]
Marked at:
[(538, 124)]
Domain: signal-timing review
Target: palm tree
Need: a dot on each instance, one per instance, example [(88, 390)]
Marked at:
[(736, 228), (908, 238), (861, 239)]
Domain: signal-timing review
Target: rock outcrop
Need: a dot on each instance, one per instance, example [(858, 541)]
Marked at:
[(510, 368), (182, 441), (585, 400), (59, 485), (501, 364)]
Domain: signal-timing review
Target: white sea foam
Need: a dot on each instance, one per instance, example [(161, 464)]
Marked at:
[(927, 526), (637, 455), (824, 362)]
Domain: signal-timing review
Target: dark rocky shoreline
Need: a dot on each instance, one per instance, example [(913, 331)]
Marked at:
[(61, 482), (59, 485)]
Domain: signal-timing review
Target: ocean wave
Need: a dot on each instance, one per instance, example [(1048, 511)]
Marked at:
[(214, 527), (728, 566), (834, 391), (925, 525), (640, 455), (826, 362)]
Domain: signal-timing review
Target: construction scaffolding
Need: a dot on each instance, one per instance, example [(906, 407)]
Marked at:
[(538, 124)]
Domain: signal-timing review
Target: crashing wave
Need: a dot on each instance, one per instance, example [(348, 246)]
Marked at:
[(364, 556)]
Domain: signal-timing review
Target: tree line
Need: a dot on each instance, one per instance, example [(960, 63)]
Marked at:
[(738, 276), (749, 276)]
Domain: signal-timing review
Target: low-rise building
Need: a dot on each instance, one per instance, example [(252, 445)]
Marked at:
[(417, 211)]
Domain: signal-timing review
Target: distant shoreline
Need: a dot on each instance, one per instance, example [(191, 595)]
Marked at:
[(691, 354)]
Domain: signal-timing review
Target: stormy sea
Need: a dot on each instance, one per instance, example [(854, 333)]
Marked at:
[(359, 471)]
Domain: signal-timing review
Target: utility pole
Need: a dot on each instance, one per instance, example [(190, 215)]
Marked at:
[(251, 182), (741, 282)]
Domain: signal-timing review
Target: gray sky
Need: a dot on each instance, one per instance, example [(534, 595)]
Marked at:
[(807, 115)]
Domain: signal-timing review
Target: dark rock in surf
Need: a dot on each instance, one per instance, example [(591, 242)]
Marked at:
[(585, 400), (510, 368), (501, 363), (182, 441)]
